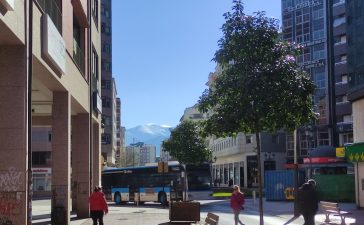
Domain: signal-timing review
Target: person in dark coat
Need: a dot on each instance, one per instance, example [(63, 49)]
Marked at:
[(308, 201), (98, 206), (236, 203), (231, 182)]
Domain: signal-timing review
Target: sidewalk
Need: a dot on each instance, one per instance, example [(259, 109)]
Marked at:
[(156, 215)]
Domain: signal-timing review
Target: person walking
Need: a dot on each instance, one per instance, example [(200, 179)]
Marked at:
[(236, 203), (98, 206), (308, 201)]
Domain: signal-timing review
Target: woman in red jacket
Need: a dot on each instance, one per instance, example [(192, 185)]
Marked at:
[(236, 203), (98, 206)]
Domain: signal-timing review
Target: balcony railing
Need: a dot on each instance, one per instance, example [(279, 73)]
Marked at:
[(78, 57), (341, 2), (51, 8), (341, 63)]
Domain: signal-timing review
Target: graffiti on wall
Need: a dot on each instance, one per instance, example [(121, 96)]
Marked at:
[(10, 203), (11, 180)]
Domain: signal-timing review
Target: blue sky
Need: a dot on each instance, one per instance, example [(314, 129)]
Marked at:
[(162, 51)]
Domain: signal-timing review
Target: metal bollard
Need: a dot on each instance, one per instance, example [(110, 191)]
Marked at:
[(254, 197)]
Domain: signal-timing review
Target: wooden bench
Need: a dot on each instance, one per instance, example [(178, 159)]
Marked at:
[(333, 208), (211, 219)]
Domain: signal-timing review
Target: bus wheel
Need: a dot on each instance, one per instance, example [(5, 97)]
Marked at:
[(117, 198), (163, 199)]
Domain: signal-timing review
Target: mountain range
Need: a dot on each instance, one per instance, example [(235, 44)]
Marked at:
[(152, 134)]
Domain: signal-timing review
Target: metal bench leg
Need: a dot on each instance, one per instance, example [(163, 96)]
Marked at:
[(327, 217), (343, 220)]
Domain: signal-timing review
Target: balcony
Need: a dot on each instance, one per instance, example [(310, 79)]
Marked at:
[(338, 8), (341, 67), (340, 48), (341, 88), (51, 8), (78, 57)]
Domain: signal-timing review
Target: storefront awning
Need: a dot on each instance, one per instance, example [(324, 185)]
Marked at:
[(355, 152)]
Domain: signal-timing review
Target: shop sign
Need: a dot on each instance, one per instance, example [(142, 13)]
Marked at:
[(312, 64), (53, 45), (315, 42), (340, 152), (42, 170), (318, 160), (303, 5)]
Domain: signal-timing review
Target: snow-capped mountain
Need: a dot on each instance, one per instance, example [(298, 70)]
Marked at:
[(152, 134)]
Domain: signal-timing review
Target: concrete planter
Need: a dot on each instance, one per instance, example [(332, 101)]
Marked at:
[(184, 211)]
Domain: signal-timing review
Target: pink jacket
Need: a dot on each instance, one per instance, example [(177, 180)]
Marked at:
[(237, 200)]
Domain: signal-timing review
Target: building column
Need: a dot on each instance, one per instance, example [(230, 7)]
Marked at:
[(13, 135), (61, 157), (81, 172), (96, 158)]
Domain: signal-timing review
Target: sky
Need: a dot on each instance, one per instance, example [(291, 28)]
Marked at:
[(162, 54)]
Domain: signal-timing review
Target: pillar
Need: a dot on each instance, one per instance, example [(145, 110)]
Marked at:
[(81, 173), (61, 158), (13, 135), (96, 158)]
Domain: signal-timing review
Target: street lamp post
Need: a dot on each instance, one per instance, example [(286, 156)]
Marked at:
[(213, 160), (296, 213)]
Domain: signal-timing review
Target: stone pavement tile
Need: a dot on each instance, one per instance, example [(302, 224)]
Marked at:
[(132, 219)]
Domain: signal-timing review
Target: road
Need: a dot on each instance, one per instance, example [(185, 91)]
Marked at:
[(275, 213)]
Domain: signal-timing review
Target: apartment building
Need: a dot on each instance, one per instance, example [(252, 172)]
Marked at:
[(49, 77), (319, 26), (108, 93), (139, 154), (355, 33)]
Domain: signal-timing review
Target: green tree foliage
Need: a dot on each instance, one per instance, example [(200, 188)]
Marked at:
[(186, 145), (261, 86)]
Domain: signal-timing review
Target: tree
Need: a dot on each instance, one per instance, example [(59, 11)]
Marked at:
[(186, 145), (261, 86)]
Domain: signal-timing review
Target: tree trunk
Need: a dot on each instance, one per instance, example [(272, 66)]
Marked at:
[(260, 185)]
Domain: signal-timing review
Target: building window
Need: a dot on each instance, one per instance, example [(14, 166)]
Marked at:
[(95, 11), (348, 138), (106, 84), (275, 139), (53, 9), (78, 55), (105, 139), (286, 4), (318, 14), (248, 139), (95, 64), (319, 52), (106, 120), (106, 66), (324, 138), (41, 158), (106, 102)]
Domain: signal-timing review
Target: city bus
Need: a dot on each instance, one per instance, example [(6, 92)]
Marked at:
[(144, 184)]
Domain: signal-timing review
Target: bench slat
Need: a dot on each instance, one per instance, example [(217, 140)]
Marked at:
[(212, 216)]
